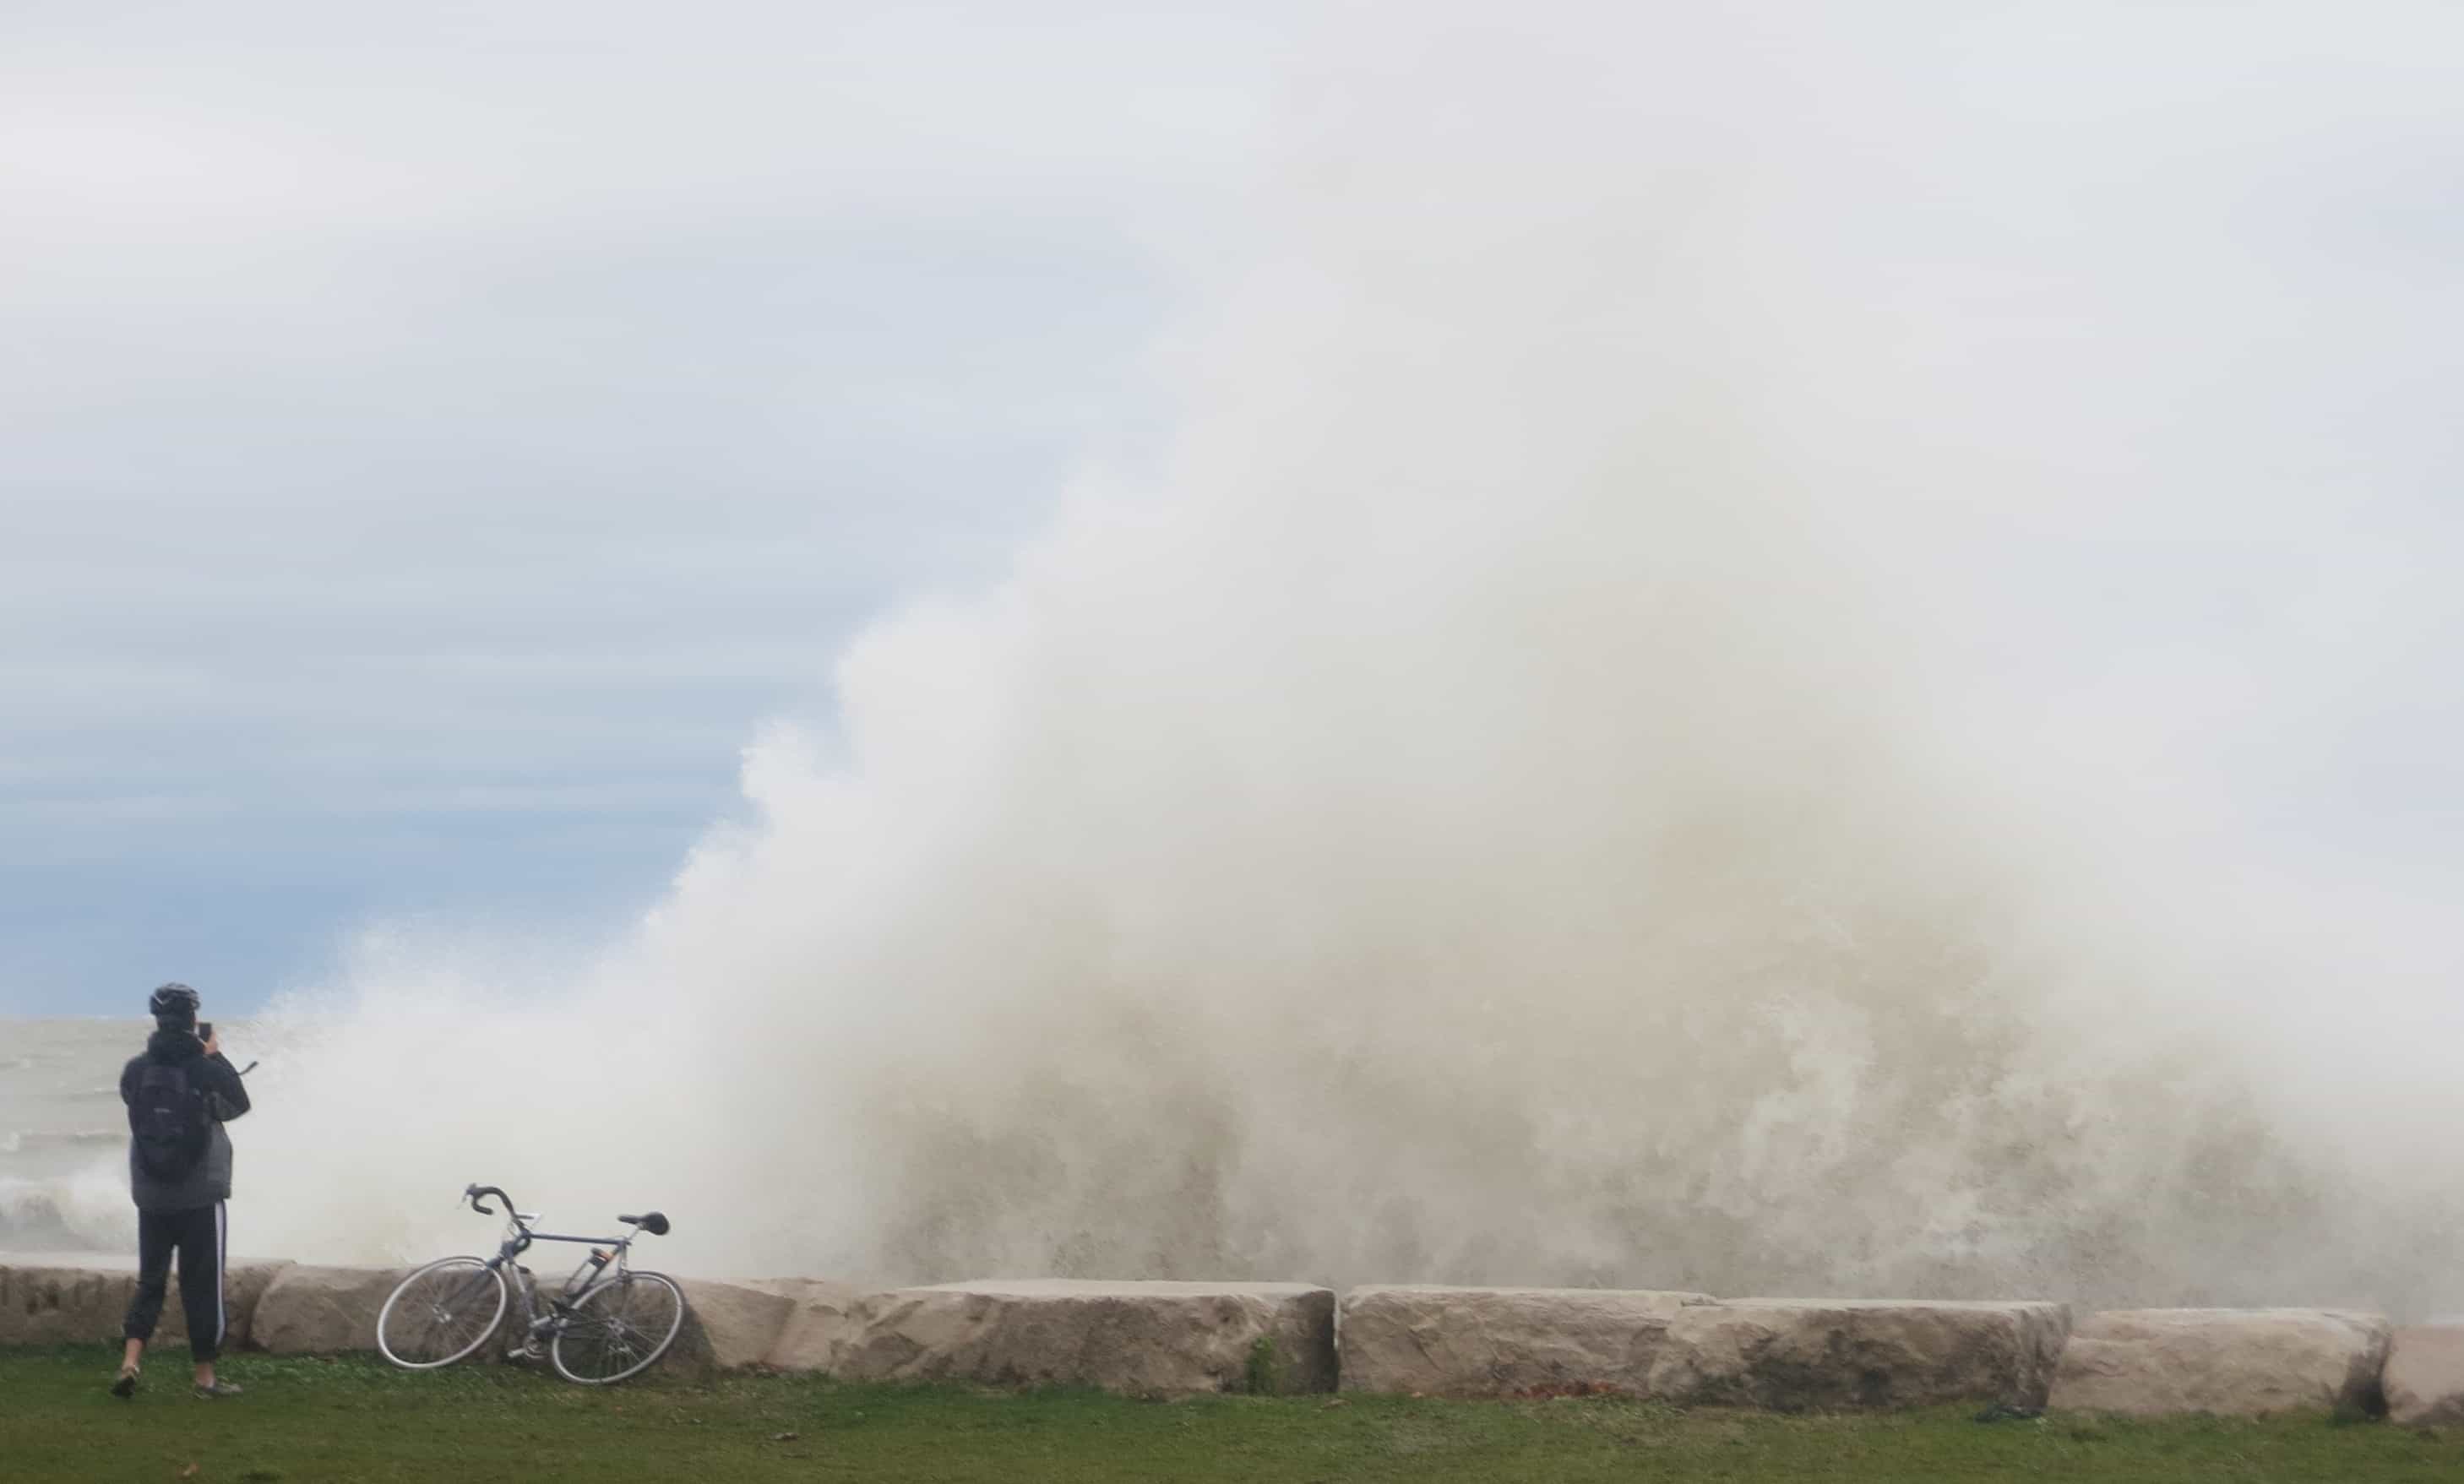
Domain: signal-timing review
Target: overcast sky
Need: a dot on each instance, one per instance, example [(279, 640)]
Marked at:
[(434, 439)]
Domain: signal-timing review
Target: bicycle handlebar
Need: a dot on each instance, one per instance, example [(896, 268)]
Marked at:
[(477, 1195)]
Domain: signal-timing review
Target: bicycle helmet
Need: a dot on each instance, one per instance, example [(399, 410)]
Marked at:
[(174, 1004)]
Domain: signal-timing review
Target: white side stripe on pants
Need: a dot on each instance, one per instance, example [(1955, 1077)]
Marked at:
[(222, 1232)]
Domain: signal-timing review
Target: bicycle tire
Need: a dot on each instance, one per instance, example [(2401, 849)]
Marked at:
[(626, 1339), (398, 1339)]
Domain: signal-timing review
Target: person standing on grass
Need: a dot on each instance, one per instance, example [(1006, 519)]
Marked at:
[(180, 1092)]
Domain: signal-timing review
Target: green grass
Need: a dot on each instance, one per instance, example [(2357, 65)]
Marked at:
[(306, 1420)]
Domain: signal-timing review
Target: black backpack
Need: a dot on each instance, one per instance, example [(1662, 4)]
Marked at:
[(167, 1121)]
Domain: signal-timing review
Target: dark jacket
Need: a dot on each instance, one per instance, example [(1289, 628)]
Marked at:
[(226, 1099)]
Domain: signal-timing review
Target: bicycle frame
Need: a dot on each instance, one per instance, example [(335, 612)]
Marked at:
[(587, 1276)]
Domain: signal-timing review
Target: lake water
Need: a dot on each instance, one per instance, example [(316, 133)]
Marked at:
[(64, 1135)]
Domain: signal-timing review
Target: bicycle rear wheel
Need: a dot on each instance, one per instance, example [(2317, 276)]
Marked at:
[(619, 1328), (441, 1313)]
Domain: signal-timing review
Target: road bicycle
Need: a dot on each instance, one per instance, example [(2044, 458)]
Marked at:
[(608, 1322)]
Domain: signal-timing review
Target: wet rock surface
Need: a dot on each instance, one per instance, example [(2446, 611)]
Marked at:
[(1504, 1342), (2235, 1363), (311, 1309), (2423, 1380), (823, 1320), (728, 1325), (56, 1306), (1800, 1354), (1141, 1338)]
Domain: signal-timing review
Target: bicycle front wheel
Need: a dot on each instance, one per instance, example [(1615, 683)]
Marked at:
[(441, 1313), (619, 1328)]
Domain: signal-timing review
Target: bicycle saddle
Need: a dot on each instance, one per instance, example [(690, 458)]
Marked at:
[(652, 1222)]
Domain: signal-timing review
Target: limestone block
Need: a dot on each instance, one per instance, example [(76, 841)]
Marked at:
[(1794, 1354), (1142, 1338), (824, 1319), (52, 1305), (244, 1289), (2425, 1376), (1504, 1342), (317, 1310), (729, 1325), (2239, 1362)]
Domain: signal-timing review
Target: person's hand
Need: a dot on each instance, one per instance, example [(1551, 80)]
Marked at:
[(215, 1042)]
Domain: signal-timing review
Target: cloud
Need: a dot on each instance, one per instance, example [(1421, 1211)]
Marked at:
[(506, 407)]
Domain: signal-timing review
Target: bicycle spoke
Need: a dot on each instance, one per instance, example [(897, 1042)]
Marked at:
[(441, 1313), (619, 1328)]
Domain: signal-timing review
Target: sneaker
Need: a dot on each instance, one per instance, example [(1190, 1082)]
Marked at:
[(206, 1393), (126, 1385)]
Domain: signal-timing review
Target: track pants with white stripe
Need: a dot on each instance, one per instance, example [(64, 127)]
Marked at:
[(197, 1236)]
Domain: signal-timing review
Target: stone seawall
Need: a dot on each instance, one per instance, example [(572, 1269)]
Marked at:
[(1178, 1338)]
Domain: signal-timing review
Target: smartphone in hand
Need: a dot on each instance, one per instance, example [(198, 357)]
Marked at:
[(204, 1030)]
